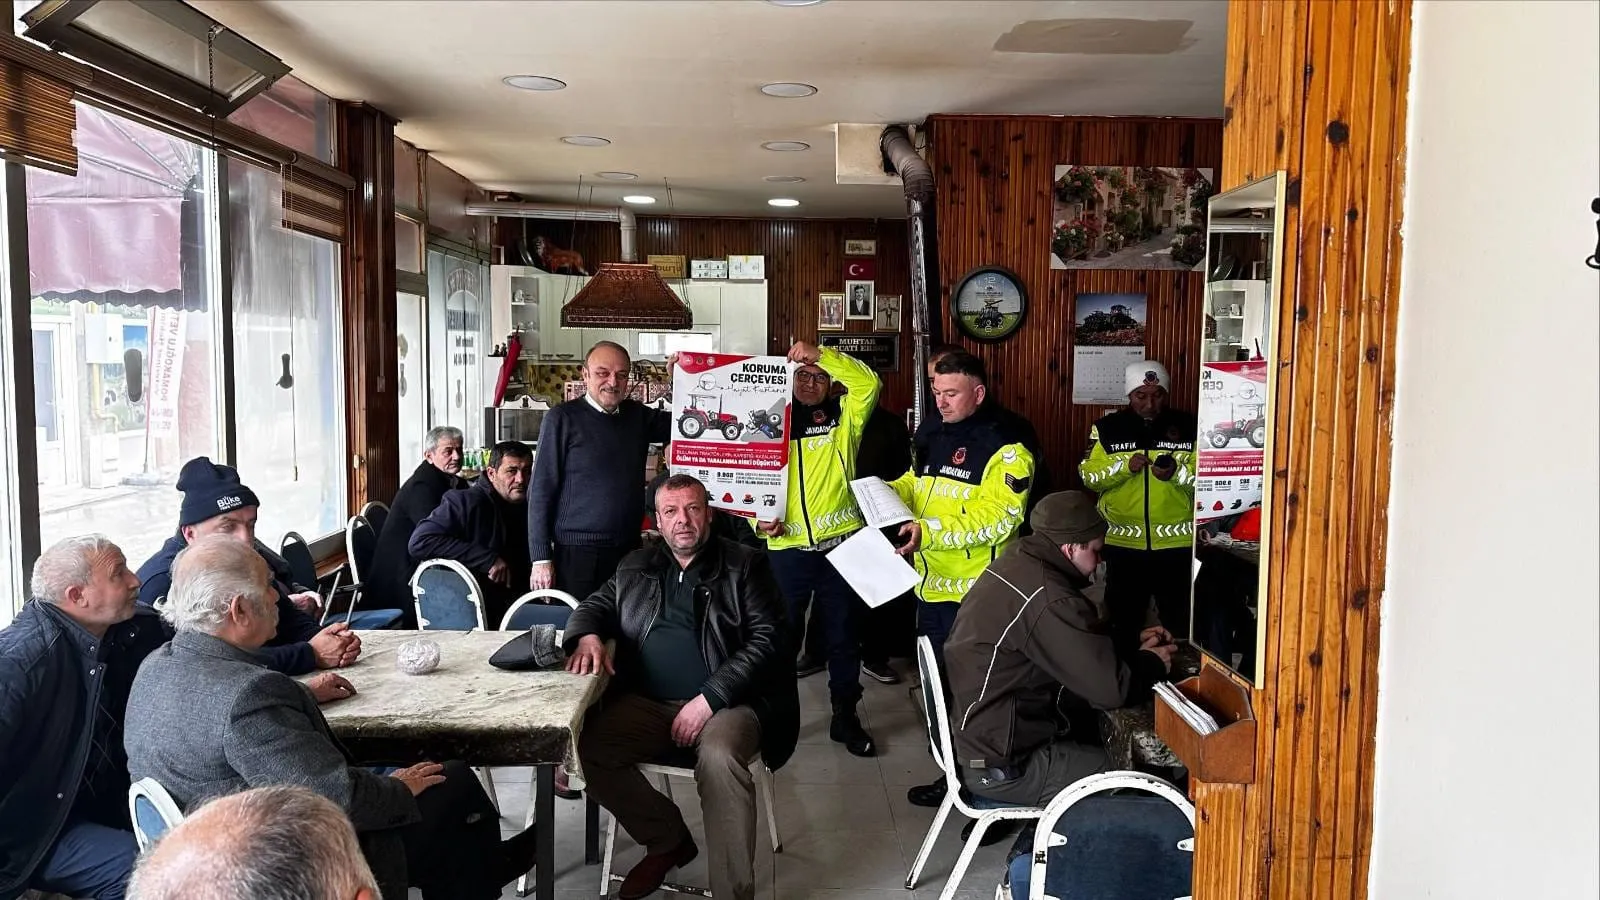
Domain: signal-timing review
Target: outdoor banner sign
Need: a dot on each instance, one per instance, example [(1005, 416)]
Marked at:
[(730, 429), (1229, 476)]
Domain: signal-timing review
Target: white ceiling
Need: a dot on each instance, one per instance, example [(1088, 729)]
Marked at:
[(675, 85)]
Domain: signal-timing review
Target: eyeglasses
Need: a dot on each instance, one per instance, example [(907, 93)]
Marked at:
[(818, 377)]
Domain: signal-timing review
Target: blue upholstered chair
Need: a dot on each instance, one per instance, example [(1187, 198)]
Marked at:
[(1091, 843), (983, 811), (152, 810), (447, 596)]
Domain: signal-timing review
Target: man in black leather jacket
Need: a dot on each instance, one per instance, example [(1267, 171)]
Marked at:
[(704, 663)]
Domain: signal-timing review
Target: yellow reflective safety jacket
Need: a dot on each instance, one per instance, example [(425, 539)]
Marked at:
[(823, 441), (1142, 512), (968, 489)]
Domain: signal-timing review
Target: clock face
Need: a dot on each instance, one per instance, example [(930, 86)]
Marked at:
[(989, 304)]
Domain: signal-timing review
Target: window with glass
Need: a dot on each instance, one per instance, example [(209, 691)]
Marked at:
[(458, 338), (411, 351), (10, 515), (294, 114), (124, 314), (288, 373)]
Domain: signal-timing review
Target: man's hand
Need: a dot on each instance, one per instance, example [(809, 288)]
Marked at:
[(770, 529), (1165, 472), (332, 646), (1162, 652), (352, 649), (330, 686), (691, 720), (500, 573), (421, 776), (805, 354), (911, 539), (1155, 634), (1137, 462), (544, 575), (308, 602), (590, 657), (672, 361)]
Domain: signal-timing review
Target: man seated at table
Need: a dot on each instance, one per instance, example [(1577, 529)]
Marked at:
[(388, 585), (1030, 653), (716, 674), (485, 528), (206, 718), (265, 842), (66, 664), (215, 503)]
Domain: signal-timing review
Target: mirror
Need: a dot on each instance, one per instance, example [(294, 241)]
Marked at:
[(1233, 453)]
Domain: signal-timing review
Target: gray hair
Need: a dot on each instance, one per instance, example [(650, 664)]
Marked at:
[(206, 576), (441, 433), (67, 564), (269, 843)]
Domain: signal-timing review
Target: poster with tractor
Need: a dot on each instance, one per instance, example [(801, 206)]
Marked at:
[(730, 429), (1233, 434)]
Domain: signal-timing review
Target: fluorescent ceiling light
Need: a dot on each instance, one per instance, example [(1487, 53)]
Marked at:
[(534, 82), (640, 199), (786, 146), (788, 89), (783, 201), (585, 140), (617, 176), (783, 179)]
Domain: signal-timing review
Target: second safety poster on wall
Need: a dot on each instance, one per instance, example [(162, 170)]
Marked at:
[(730, 429), (1229, 474)]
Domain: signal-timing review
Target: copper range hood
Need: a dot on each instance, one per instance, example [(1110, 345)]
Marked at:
[(627, 295)]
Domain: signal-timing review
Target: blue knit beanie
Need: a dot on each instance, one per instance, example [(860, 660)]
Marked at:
[(209, 490)]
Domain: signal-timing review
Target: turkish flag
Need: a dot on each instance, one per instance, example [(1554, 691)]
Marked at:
[(864, 269)]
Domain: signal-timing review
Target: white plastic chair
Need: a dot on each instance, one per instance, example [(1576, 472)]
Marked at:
[(983, 812), (152, 810), (1045, 837), (663, 775)]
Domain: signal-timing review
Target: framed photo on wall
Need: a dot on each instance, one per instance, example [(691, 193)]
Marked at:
[(858, 300), (887, 315), (830, 312)]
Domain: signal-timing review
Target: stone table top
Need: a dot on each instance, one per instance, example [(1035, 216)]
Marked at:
[(465, 709)]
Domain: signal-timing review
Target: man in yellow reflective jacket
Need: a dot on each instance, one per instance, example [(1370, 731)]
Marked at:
[(1140, 460), (968, 489), (825, 433)]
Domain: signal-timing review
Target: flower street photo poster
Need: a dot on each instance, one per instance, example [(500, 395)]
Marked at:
[(1107, 334), (1129, 217)]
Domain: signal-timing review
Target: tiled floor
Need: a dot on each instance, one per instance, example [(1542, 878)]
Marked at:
[(848, 832)]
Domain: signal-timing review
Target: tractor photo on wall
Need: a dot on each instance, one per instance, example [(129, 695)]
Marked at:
[(697, 419)]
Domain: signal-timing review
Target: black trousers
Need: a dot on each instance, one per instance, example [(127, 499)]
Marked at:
[(450, 854), (580, 571), (1139, 581)]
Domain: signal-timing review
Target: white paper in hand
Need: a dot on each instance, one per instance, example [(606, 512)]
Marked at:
[(867, 561), (879, 504)]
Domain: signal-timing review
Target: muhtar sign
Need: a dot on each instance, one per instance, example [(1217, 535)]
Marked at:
[(880, 351)]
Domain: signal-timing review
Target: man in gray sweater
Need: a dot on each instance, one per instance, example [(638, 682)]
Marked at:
[(583, 500)]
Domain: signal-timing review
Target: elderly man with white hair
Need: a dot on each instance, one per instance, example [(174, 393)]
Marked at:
[(388, 586), (270, 843), (66, 665), (208, 717)]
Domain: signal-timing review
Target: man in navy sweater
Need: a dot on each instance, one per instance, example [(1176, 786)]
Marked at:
[(583, 500)]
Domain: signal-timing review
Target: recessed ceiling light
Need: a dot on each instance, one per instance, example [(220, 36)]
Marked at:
[(788, 89), (782, 146), (796, 2), (783, 201), (584, 140), (534, 82), (783, 179), (616, 176), (640, 199)]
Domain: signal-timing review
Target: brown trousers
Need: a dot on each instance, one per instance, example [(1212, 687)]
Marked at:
[(628, 730)]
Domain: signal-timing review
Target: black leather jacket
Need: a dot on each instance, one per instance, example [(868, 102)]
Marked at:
[(743, 632)]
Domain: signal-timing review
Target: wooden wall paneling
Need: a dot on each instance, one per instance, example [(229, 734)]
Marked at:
[(994, 176), (1316, 88), (804, 257), (372, 404)]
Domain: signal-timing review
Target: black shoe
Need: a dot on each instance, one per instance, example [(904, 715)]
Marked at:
[(880, 671), (927, 794), (846, 729), (996, 833), (515, 857), (808, 666)]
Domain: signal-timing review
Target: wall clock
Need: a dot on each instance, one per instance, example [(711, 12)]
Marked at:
[(989, 303)]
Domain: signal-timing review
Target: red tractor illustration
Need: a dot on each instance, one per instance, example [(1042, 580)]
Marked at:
[(695, 421), (1252, 427)]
